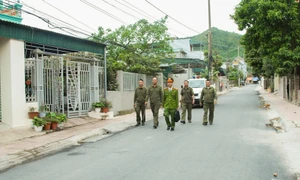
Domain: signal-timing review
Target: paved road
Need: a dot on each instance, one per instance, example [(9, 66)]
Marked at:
[(237, 147)]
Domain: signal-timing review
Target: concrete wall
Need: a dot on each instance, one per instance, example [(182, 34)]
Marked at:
[(121, 100), (14, 109)]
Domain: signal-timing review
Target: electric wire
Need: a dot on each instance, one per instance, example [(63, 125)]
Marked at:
[(172, 17), (103, 11), (121, 9), (68, 15), (148, 16)]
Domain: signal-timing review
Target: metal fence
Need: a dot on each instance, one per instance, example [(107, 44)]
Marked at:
[(130, 80)]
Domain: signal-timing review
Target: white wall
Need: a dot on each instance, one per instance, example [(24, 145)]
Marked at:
[(121, 100), (14, 111)]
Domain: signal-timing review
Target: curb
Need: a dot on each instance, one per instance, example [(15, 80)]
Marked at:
[(224, 93), (12, 160), (280, 125)]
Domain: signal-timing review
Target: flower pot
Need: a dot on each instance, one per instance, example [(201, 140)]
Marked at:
[(38, 128), (47, 126), (33, 114), (42, 114), (61, 125), (97, 110), (54, 125), (105, 109)]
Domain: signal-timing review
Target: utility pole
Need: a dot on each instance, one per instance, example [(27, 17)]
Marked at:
[(209, 44)]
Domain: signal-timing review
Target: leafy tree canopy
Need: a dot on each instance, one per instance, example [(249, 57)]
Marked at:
[(272, 36), (138, 47), (135, 48)]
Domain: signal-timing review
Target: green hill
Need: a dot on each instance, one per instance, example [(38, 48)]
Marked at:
[(224, 43)]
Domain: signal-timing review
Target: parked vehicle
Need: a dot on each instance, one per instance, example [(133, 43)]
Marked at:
[(197, 85)]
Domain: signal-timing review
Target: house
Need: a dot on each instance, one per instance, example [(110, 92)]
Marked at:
[(40, 67), (189, 58), (241, 65)]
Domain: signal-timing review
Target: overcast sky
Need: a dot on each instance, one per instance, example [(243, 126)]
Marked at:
[(192, 13)]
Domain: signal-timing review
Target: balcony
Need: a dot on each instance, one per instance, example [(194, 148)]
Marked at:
[(10, 11)]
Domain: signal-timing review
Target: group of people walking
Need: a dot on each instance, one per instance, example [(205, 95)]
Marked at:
[(168, 98)]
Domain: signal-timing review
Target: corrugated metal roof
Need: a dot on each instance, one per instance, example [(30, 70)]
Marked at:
[(40, 36)]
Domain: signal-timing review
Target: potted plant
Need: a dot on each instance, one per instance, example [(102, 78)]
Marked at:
[(43, 110), (98, 106), (32, 113), (51, 117), (61, 118), (38, 124), (47, 125), (104, 104)]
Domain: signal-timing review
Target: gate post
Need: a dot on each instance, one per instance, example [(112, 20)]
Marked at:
[(39, 66), (94, 82)]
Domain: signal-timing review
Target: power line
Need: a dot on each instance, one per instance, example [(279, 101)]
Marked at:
[(43, 19), (103, 11), (68, 15), (147, 15), (121, 9), (144, 13), (172, 17), (63, 22)]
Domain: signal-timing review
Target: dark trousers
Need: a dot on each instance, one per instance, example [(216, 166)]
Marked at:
[(208, 107), (155, 109), (140, 109)]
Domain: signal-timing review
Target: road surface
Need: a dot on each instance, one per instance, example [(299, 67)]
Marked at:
[(238, 146)]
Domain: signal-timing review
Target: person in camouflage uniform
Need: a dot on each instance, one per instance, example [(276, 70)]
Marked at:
[(170, 104), (208, 98), (187, 101), (155, 94), (140, 97)]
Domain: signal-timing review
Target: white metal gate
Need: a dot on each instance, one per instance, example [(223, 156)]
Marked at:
[(53, 84), (78, 88)]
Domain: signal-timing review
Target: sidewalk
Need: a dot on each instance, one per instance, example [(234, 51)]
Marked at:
[(290, 113), (16, 149), (23, 144)]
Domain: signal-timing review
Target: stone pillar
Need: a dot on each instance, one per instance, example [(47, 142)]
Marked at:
[(12, 60), (120, 80)]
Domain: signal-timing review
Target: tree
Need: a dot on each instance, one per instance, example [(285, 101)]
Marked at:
[(272, 36), (135, 48)]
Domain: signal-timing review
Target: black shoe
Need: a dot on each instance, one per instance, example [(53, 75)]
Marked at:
[(183, 122), (168, 128), (205, 123), (172, 129), (137, 124), (143, 123), (154, 127), (210, 123), (190, 121)]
